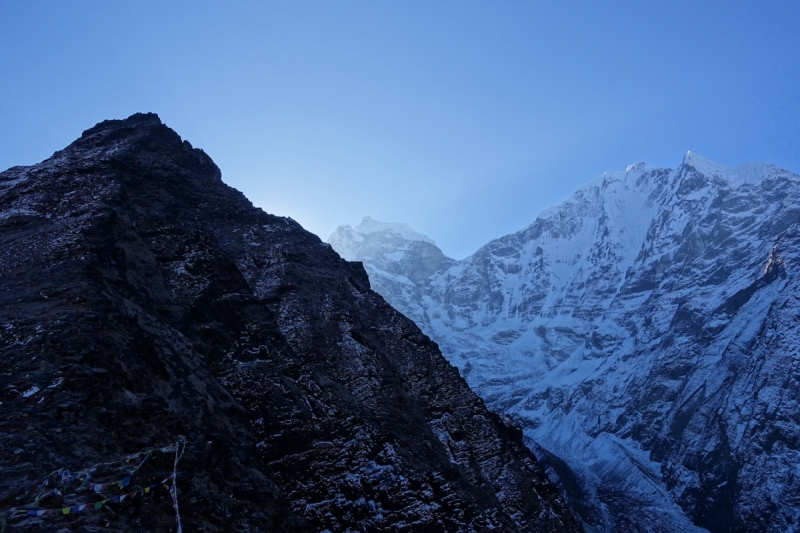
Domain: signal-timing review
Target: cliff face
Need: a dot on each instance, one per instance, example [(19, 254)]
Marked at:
[(642, 333), (141, 300)]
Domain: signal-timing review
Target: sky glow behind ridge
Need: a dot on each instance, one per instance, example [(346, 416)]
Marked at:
[(464, 119)]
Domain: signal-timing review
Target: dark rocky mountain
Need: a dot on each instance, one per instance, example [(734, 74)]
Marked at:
[(143, 301), (644, 332)]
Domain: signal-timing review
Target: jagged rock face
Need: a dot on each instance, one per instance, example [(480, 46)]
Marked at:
[(143, 299), (643, 333)]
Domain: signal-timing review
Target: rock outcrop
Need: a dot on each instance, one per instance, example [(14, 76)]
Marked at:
[(643, 332), (143, 301)]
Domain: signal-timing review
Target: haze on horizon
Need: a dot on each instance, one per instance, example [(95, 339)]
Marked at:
[(462, 119)]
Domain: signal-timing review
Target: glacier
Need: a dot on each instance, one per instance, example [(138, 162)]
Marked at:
[(644, 333)]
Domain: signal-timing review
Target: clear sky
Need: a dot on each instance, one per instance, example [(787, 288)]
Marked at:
[(464, 119)]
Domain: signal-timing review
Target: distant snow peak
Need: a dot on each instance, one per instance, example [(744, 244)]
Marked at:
[(641, 166), (346, 241), (372, 240), (369, 225), (747, 174)]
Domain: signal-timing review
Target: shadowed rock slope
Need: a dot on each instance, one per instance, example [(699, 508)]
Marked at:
[(141, 300)]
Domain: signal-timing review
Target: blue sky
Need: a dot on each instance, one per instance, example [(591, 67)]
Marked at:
[(464, 119)]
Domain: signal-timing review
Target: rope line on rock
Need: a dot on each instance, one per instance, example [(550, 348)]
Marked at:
[(173, 489)]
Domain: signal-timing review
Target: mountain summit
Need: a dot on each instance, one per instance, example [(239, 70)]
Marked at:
[(644, 332), (158, 331)]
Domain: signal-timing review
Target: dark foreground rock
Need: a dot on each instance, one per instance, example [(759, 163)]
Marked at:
[(142, 300)]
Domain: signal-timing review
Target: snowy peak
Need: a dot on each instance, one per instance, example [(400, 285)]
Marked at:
[(370, 226), (635, 183), (346, 241), (640, 166), (703, 164), (371, 237), (399, 261), (635, 332), (747, 174)]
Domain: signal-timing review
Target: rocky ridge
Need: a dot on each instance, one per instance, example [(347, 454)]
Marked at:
[(641, 332), (143, 301)]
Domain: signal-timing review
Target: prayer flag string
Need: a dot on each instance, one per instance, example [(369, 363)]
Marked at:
[(66, 479), (87, 506)]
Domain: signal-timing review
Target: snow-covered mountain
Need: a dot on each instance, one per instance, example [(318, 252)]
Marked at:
[(645, 332)]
